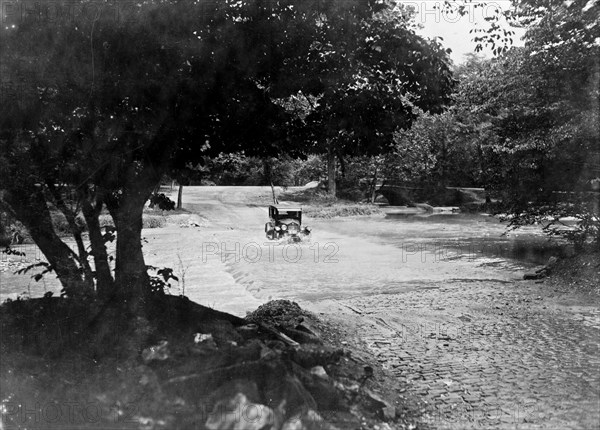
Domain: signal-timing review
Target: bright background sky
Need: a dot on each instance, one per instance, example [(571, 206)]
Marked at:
[(453, 28)]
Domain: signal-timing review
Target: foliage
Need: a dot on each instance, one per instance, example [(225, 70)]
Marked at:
[(241, 169), (341, 210), (94, 129), (538, 108), (159, 283), (162, 201)]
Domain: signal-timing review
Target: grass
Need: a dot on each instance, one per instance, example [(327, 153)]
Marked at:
[(311, 196), (150, 219), (341, 210), (319, 204)]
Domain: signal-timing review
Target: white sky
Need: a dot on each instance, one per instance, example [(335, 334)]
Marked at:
[(453, 28)]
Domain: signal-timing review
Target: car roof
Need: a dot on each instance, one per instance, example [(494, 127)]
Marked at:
[(287, 208)]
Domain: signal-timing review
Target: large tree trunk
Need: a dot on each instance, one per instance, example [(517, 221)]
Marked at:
[(104, 280), (29, 207), (131, 277), (331, 185)]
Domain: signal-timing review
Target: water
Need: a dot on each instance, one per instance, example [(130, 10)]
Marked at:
[(450, 235), (346, 256)]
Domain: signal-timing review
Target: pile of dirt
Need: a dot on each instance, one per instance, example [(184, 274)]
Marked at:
[(181, 366)]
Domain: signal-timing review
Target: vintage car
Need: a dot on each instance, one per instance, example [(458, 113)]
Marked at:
[(285, 222)]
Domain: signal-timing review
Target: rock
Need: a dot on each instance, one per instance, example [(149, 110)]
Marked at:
[(205, 341), (248, 331), (308, 420), (425, 206), (321, 390), (158, 352), (543, 271), (201, 337), (307, 328), (377, 405), (389, 413), (551, 262), (238, 413), (310, 355), (287, 387), (351, 389), (319, 372)]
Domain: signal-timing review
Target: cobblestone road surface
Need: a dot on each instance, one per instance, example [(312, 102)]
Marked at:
[(488, 355)]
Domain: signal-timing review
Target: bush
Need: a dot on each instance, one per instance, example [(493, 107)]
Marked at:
[(162, 201), (8, 228)]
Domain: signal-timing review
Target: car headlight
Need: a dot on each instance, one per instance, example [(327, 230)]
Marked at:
[(277, 228), (283, 227)]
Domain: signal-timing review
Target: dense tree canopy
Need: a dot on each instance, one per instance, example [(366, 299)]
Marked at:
[(109, 106), (525, 124)]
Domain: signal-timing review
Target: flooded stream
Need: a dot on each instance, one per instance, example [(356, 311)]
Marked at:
[(346, 257), (456, 235)]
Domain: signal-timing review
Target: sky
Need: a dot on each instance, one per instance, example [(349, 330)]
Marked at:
[(453, 28)]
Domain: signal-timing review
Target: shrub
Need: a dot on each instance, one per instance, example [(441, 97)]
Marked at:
[(162, 201)]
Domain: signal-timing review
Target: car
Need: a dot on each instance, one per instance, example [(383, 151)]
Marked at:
[(286, 222)]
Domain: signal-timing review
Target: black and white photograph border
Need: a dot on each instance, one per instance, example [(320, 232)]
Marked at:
[(299, 214)]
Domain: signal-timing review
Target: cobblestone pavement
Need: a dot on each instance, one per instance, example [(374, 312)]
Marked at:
[(489, 355)]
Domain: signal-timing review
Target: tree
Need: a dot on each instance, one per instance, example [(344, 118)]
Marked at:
[(110, 107), (541, 103), (366, 72)]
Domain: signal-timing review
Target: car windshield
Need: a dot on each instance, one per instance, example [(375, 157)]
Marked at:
[(285, 214)]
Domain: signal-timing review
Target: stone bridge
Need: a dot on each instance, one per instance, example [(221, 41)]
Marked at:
[(398, 195)]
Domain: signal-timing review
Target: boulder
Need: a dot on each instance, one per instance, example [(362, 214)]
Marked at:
[(239, 413)]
